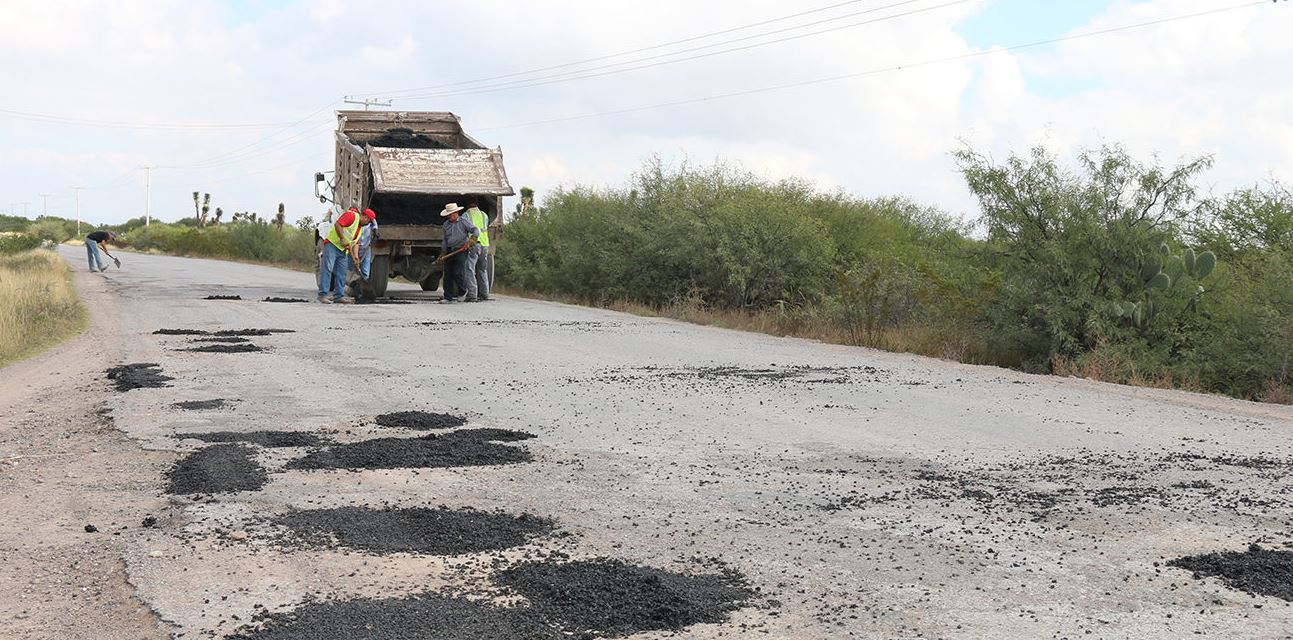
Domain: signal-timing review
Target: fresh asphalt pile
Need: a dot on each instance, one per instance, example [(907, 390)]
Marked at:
[(267, 439), (426, 616), (222, 468), (1258, 571), (420, 420), (139, 375), (224, 348), (434, 531), (222, 332), (201, 405), (607, 597), (406, 139), (465, 448), (224, 339), (223, 298), (276, 299)]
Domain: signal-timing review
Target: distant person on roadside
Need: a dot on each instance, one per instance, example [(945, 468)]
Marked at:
[(459, 237), (340, 248), (95, 242), (478, 257)]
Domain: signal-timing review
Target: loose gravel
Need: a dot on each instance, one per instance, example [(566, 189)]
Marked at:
[(425, 616), (223, 468), (466, 448), (607, 597), (1257, 571), (440, 531), (267, 439), (201, 405), (139, 375), (420, 420)]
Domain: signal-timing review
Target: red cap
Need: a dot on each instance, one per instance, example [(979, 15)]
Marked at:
[(370, 214)]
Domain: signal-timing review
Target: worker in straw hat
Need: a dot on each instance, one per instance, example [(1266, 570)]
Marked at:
[(459, 237)]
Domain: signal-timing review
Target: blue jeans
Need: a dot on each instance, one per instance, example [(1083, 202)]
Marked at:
[(92, 252), (366, 262), (333, 270)]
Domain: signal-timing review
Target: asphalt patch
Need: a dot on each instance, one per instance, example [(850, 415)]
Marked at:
[(180, 332), (426, 616), (273, 299), (267, 439), (439, 531), (223, 298), (139, 375), (420, 420), (1257, 571), (201, 405), (223, 468), (224, 348), (222, 332), (224, 339), (466, 448), (607, 597)]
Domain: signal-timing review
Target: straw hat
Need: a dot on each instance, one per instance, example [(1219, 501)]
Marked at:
[(452, 207)]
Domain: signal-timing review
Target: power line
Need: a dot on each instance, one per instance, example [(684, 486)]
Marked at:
[(180, 126), (653, 47), (901, 67), (585, 73), (240, 151)]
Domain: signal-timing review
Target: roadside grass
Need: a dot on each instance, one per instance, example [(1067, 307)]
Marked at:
[(38, 304)]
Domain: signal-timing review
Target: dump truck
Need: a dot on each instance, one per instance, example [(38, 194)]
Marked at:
[(406, 166)]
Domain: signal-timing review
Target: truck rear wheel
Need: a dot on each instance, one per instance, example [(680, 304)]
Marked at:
[(431, 282), (379, 274)]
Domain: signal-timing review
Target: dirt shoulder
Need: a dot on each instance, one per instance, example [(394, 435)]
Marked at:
[(63, 466)]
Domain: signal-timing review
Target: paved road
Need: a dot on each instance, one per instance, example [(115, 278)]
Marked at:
[(865, 494)]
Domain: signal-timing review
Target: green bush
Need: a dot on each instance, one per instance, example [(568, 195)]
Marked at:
[(242, 241), (18, 243)]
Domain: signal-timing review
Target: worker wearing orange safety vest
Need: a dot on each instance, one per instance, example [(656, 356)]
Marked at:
[(340, 248)]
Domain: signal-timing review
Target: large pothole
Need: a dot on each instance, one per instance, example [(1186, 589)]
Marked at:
[(608, 597), (1265, 572), (420, 420), (439, 531), (139, 375), (466, 448), (223, 468), (425, 616), (267, 439)]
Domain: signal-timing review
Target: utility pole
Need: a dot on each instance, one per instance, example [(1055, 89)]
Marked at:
[(77, 191), (368, 102), (44, 204), (148, 195)]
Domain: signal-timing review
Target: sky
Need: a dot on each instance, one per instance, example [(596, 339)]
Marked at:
[(870, 97)]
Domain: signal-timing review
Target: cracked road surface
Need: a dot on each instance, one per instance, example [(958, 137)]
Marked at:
[(862, 494)]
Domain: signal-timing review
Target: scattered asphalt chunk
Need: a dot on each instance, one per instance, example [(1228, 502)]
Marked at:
[(426, 616), (149, 522), (273, 299), (420, 420), (224, 348), (223, 468), (89, 528), (1256, 571), (181, 332), (608, 597), (223, 298), (138, 375), (201, 405), (466, 448), (224, 339), (267, 439), (440, 531)]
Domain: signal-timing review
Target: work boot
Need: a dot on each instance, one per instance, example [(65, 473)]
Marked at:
[(344, 300), (325, 300), (469, 299)]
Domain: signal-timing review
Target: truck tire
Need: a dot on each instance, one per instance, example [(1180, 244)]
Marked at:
[(431, 282), (379, 274)]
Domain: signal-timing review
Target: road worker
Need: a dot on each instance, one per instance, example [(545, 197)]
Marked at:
[(459, 237), (478, 257), (98, 241), (340, 249)]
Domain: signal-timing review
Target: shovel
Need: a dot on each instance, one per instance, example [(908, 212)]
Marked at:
[(365, 287)]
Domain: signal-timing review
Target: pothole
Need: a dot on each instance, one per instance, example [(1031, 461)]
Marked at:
[(201, 405), (427, 616), (267, 439), (439, 531), (224, 348), (1258, 571), (607, 597), (466, 448), (274, 299), (139, 375), (223, 298), (223, 468), (420, 420)]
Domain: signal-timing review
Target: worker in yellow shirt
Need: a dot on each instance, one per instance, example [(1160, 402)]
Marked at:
[(478, 257)]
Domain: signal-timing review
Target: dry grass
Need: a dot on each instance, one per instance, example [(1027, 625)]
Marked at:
[(38, 305)]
